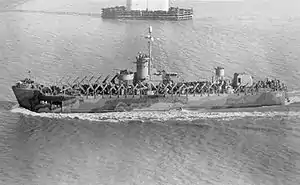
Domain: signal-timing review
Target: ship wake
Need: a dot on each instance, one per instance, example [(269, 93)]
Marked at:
[(161, 116), (294, 97)]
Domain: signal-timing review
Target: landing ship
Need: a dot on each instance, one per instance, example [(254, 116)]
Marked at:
[(149, 90), (172, 14)]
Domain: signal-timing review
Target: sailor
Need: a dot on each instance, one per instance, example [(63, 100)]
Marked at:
[(220, 89), (139, 55)]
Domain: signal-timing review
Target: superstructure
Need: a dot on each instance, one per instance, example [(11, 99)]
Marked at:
[(149, 89), (147, 10)]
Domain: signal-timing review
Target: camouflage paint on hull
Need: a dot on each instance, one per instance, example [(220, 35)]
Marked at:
[(121, 104), (25, 96), (238, 100), (30, 99)]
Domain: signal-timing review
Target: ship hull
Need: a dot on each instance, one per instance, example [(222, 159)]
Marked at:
[(174, 14), (31, 99), (154, 17), (25, 97), (102, 104)]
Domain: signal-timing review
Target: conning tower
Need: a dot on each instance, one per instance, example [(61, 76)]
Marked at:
[(220, 73), (142, 67)]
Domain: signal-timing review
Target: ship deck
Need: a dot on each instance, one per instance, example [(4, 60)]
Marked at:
[(122, 13)]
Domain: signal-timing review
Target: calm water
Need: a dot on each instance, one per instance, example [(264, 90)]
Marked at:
[(246, 146)]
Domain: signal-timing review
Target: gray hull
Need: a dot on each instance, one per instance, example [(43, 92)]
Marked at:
[(160, 103), (30, 99)]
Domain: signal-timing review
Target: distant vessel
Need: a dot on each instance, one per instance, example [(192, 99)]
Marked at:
[(147, 10), (150, 90)]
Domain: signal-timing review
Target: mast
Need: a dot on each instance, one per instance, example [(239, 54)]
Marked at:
[(150, 39), (147, 5), (29, 75)]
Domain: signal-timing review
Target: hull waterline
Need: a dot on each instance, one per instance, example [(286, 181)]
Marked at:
[(102, 104)]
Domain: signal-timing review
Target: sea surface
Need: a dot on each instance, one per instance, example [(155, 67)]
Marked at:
[(61, 38)]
